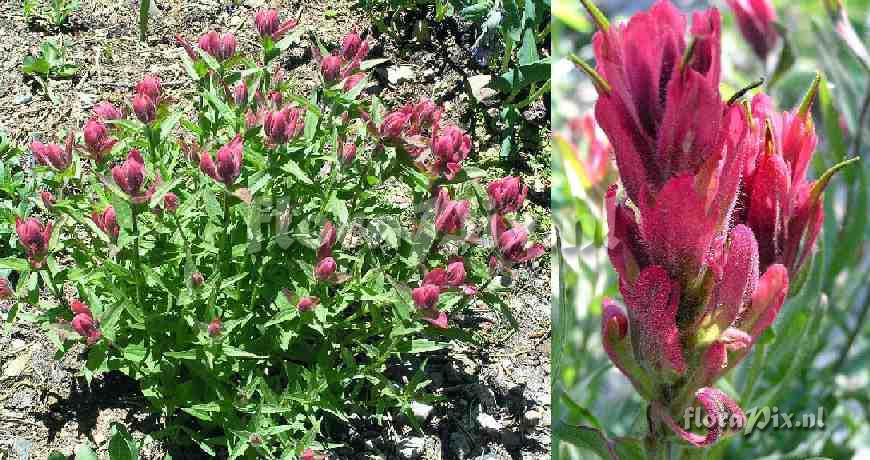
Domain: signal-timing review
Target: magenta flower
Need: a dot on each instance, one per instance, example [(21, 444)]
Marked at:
[(107, 222), (513, 245), (150, 86), (83, 322), (425, 298), (783, 209), (34, 237), (56, 156), (596, 161), (450, 214), (196, 279), (449, 148), (97, 139), (267, 23), (455, 273), (352, 80), (229, 162), (145, 108), (307, 303), (130, 175), (281, 126), (221, 47), (170, 202), (325, 269), (47, 199), (214, 328), (348, 153), (106, 111), (350, 44), (330, 67), (507, 194), (240, 94), (756, 19), (328, 237), (6, 292), (394, 124)]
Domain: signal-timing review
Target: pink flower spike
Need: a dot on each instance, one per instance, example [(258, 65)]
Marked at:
[(436, 318), (394, 124), (145, 108), (756, 19), (426, 296), (6, 292), (214, 328), (307, 303), (328, 236), (106, 111), (266, 22), (350, 45), (97, 140), (34, 237), (726, 415), (435, 277), (56, 156), (455, 273), (325, 269), (130, 175), (78, 308), (652, 302), (150, 86), (507, 194), (86, 327), (451, 216), (227, 165), (512, 245), (107, 222), (348, 153), (47, 199), (449, 149)]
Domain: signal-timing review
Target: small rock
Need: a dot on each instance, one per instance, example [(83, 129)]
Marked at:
[(420, 410), (531, 418), (399, 74), (412, 448), (22, 448), (18, 344), (488, 422), (87, 100), (23, 98)]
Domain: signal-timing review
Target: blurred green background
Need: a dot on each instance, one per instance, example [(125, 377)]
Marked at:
[(817, 354)]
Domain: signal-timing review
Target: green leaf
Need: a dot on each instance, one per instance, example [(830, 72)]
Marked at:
[(524, 75), (14, 263), (84, 452), (338, 208), (55, 455), (293, 168), (582, 436), (122, 446)]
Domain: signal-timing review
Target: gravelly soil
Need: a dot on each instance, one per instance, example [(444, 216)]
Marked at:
[(45, 405)]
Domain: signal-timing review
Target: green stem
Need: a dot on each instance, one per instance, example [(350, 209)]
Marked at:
[(226, 250), (136, 260), (144, 11)]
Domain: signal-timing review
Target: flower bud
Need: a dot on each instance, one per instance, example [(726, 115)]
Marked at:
[(47, 199), (328, 236), (451, 216), (229, 162), (149, 86), (59, 158), (325, 269), (86, 327), (449, 148), (348, 153), (170, 202), (330, 68), (79, 308), (6, 292), (106, 111), (426, 296), (308, 454), (456, 273), (130, 175), (107, 222), (210, 42), (755, 19), (512, 245), (227, 47), (350, 45), (34, 237), (266, 22), (240, 94), (275, 126), (196, 279), (144, 108), (97, 140), (507, 194), (307, 303), (394, 124), (214, 328)]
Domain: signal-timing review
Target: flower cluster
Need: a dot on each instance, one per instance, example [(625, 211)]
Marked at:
[(717, 214), (147, 98), (57, 157), (34, 237), (83, 322), (344, 64), (506, 196)]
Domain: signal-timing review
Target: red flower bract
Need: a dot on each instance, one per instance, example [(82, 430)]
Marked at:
[(229, 162), (34, 237), (756, 19)]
